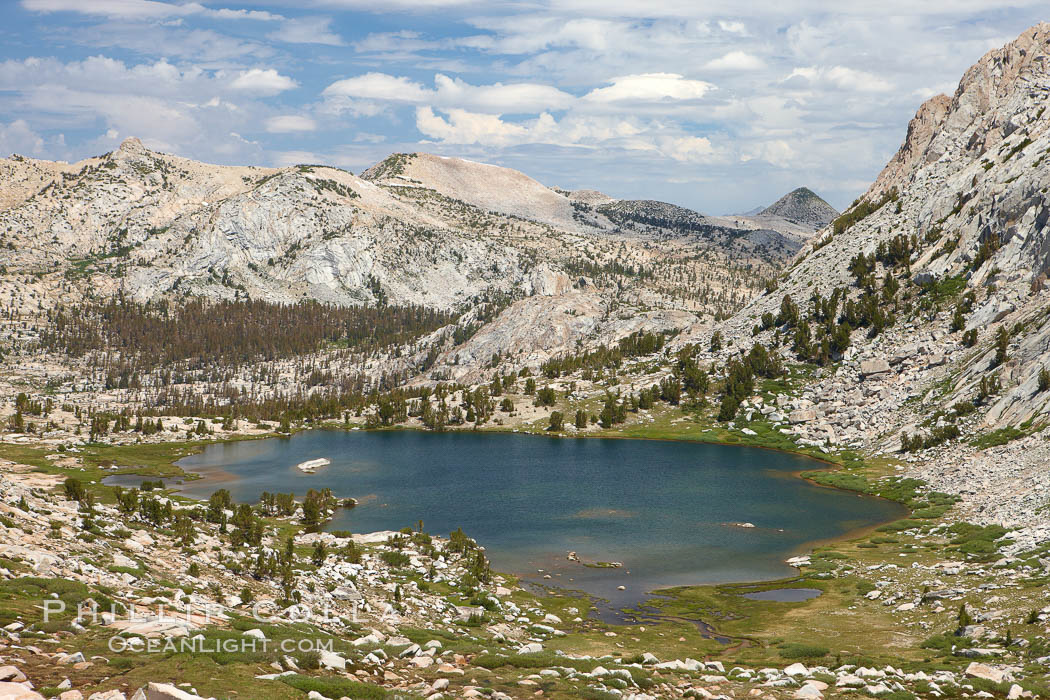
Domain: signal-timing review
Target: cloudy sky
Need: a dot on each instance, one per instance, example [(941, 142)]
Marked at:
[(712, 104)]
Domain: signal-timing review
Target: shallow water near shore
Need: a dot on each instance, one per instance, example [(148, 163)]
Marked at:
[(669, 512), (784, 595)]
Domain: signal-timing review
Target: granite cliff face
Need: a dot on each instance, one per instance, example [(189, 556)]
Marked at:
[(965, 200)]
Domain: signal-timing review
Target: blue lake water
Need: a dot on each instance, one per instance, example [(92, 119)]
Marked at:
[(666, 510)]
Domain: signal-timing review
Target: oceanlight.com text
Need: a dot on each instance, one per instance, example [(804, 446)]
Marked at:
[(201, 645)]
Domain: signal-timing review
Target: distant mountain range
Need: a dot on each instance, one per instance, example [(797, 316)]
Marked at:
[(444, 233)]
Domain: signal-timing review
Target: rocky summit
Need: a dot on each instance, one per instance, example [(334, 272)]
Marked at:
[(802, 206), (153, 306)]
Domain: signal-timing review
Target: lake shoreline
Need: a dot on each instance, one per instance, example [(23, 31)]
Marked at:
[(819, 464), (162, 459), (827, 460)]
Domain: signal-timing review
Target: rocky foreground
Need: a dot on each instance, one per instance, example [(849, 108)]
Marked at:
[(141, 592)]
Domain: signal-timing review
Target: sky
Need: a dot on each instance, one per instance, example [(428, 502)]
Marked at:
[(715, 105)]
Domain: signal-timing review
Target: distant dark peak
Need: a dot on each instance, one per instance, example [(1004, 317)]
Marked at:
[(802, 206)]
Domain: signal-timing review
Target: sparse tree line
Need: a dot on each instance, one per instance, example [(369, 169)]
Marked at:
[(197, 334), (261, 554)]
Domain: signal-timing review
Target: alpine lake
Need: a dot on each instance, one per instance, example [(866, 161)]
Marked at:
[(640, 515)]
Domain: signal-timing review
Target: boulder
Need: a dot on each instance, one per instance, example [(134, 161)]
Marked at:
[(870, 368), (346, 593), (808, 692), (331, 660), (802, 415), (17, 691), (156, 628), (796, 669), (121, 560), (979, 670), (11, 674), (923, 278), (166, 691)]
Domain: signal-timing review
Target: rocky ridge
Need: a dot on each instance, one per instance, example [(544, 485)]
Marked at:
[(967, 191)]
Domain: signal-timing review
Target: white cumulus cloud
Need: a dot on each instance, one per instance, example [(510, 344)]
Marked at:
[(465, 127), (18, 137), (735, 60), (262, 81), (461, 127), (290, 124), (650, 87), (690, 149), (839, 77), (732, 27), (453, 93), (378, 86), (307, 30), (143, 9)]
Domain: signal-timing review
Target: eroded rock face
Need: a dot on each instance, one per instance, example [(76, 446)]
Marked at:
[(967, 189), (915, 151), (488, 187)]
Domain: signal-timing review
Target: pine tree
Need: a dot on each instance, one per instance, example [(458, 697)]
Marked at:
[(581, 419), (965, 620), (1002, 344)]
